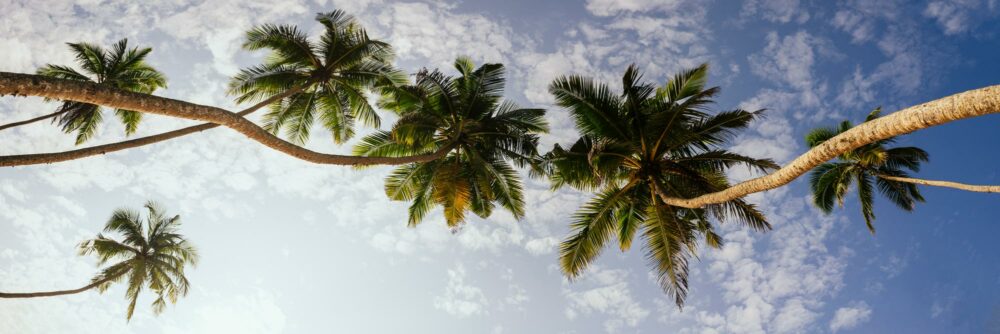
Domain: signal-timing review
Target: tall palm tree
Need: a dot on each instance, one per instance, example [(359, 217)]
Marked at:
[(331, 76), (150, 254), (641, 146), (863, 166), (119, 67), (486, 133)]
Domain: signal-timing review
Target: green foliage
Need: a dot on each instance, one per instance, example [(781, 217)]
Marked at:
[(150, 254), (637, 147), (484, 134), (334, 74), (862, 167), (120, 67)]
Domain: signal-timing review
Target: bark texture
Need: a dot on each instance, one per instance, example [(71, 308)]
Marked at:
[(59, 292), (968, 104), (976, 102), (46, 158), (946, 184), (34, 85)]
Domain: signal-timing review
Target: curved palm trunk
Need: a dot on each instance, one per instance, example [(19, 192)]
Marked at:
[(59, 292), (47, 158), (946, 184), (35, 85), (969, 104), (36, 119), (977, 102)]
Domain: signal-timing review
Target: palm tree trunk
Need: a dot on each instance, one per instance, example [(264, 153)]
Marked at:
[(47, 158), (973, 103), (946, 184), (59, 292), (36, 85), (36, 119), (969, 104)]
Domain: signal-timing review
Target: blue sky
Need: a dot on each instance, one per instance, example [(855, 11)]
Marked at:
[(291, 247)]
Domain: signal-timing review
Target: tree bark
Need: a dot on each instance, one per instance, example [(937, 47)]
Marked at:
[(946, 184), (977, 102), (59, 292), (46, 158), (36, 119), (968, 104), (35, 85)]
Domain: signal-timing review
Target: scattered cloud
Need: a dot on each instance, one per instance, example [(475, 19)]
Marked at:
[(959, 16), (612, 7), (606, 293), (778, 11), (850, 317), (461, 299)]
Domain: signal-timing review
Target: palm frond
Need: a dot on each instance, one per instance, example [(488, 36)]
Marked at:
[(591, 228), (829, 183), (596, 111), (685, 84)]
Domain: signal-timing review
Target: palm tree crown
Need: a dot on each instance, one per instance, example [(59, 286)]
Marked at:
[(150, 254), (639, 146), (120, 67), (486, 134), (331, 74), (861, 167)]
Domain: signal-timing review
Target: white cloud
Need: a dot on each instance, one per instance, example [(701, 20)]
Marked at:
[(609, 295), (438, 35), (461, 299), (611, 7), (541, 246), (794, 317), (251, 313), (779, 11), (790, 59), (850, 317), (959, 16), (201, 24), (858, 26)]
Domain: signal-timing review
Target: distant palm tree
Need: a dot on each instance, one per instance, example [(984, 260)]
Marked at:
[(638, 147), (863, 166), (486, 132), (332, 75), (151, 254), (120, 67)]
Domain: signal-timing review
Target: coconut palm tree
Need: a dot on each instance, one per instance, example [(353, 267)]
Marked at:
[(866, 167), (486, 134), (119, 67), (331, 76), (637, 148), (150, 254)]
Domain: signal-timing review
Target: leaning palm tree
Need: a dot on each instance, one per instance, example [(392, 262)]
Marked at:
[(485, 133), (865, 167), (150, 254), (330, 77), (641, 146), (120, 67)]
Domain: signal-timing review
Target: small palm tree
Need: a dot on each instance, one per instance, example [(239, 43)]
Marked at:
[(862, 167), (150, 254), (485, 132), (638, 147), (120, 67), (331, 76)]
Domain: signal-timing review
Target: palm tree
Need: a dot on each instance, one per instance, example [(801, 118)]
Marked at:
[(863, 166), (119, 67), (637, 148), (150, 254), (484, 132), (331, 76)]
